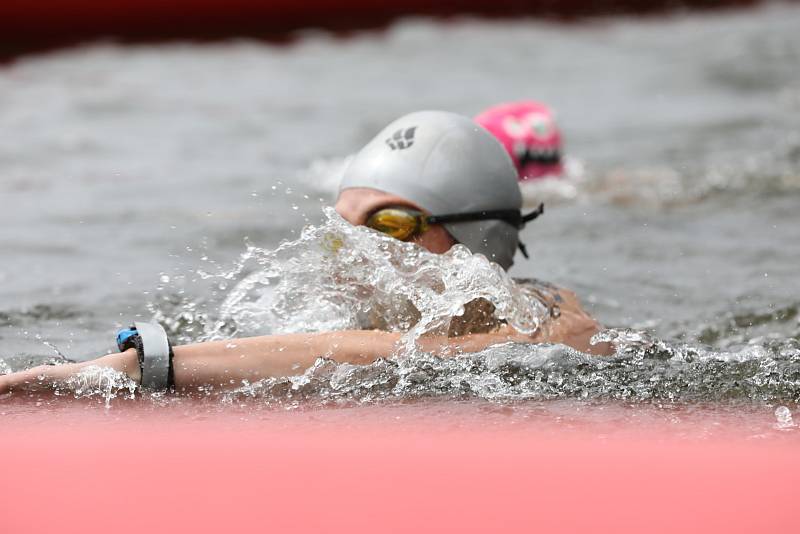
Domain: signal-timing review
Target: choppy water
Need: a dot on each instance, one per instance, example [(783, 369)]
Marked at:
[(128, 174)]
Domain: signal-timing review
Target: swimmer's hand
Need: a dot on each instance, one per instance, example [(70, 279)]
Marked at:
[(573, 327), (573, 331), (44, 377)]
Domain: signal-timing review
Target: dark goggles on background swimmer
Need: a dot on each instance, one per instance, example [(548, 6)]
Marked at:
[(405, 223)]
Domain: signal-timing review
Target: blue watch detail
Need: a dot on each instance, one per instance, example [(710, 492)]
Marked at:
[(125, 338)]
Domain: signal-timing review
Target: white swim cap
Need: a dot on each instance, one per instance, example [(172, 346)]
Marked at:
[(445, 163)]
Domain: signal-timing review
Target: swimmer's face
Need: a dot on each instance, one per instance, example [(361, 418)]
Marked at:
[(356, 204)]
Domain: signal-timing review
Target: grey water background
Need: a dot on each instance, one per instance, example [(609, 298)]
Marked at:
[(124, 168)]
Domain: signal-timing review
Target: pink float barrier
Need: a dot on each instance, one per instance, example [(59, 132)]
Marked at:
[(317, 472)]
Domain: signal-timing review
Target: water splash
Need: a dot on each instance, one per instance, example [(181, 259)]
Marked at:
[(336, 276), (784, 418), (644, 369), (98, 382)]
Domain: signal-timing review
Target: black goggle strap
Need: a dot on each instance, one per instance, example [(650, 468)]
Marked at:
[(526, 219), (534, 214), (513, 217)]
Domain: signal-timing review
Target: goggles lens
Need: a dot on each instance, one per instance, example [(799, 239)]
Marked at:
[(404, 223), (399, 223)]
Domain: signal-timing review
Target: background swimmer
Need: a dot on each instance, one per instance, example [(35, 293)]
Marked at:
[(530, 135)]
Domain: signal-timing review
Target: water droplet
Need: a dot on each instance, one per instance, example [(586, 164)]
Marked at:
[(784, 418)]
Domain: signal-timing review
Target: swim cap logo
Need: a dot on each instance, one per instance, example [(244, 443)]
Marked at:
[(401, 139)]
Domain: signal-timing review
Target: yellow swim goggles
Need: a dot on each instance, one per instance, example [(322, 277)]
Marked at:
[(405, 223)]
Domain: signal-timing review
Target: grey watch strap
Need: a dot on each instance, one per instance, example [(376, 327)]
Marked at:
[(155, 347)]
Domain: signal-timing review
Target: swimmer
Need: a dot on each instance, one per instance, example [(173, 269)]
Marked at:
[(432, 178), (530, 135)]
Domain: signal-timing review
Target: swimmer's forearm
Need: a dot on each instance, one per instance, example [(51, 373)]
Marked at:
[(227, 363)]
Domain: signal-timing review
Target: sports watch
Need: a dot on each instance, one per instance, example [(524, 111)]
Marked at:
[(154, 351)]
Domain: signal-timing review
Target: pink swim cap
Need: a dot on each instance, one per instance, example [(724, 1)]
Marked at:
[(529, 133)]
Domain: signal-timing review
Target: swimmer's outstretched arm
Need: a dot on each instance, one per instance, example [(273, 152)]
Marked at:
[(227, 363)]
